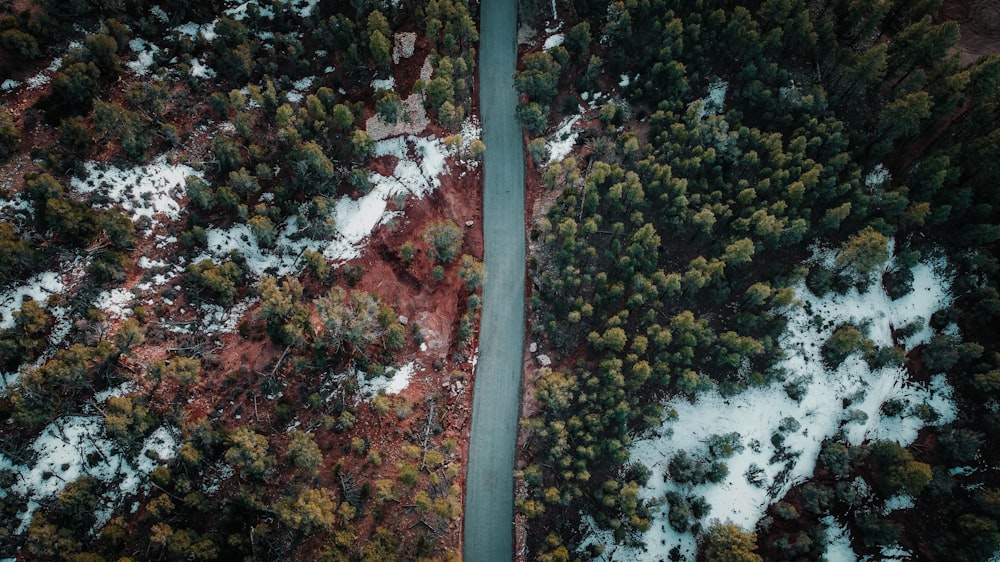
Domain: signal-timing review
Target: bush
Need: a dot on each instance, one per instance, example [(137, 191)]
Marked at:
[(444, 239), (844, 341), (217, 281), (10, 136)]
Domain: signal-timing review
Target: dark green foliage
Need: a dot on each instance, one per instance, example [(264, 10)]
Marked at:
[(10, 136), (26, 340), (17, 255), (20, 43), (73, 90), (128, 127), (875, 530), (42, 393), (284, 313)]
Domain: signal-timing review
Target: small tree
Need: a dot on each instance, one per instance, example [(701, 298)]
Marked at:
[(472, 272), (282, 309), (303, 452), (863, 252), (249, 451), (10, 136), (309, 510), (726, 542), (389, 107), (444, 238)]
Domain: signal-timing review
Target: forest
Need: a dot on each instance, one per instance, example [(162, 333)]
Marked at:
[(739, 140), (188, 372)]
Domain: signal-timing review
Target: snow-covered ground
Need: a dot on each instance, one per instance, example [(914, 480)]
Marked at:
[(846, 401), (76, 446), (152, 190), (420, 163), (562, 141), (394, 381)]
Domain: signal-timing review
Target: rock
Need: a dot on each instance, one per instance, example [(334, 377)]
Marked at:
[(469, 223), (532, 347), (403, 320), (544, 360)]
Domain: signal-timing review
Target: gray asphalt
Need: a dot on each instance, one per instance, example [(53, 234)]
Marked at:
[(489, 494)]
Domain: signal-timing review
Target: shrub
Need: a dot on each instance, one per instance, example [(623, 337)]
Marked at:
[(444, 239)]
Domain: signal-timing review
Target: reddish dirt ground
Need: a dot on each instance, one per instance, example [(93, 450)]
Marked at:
[(979, 21), (234, 364)]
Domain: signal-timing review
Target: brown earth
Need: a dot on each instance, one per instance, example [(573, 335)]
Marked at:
[(979, 22), (236, 365)]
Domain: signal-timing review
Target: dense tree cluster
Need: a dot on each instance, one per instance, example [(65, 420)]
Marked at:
[(668, 256)]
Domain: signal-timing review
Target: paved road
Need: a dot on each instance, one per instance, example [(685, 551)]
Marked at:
[(489, 495)]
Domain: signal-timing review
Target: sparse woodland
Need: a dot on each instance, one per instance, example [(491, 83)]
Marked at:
[(665, 264), (276, 455)]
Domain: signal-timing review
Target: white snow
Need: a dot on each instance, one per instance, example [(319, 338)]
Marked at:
[(713, 102), (877, 177), (39, 288), (624, 80), (394, 381), (193, 30), (9, 84), (838, 548), (144, 51), (199, 70), (76, 446), (115, 302), (420, 163), (214, 319), (757, 413), (158, 13), (562, 141), (384, 83), (896, 503), (299, 87), (150, 190), (554, 41)]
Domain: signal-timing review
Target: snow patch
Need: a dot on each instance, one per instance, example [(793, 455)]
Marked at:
[(384, 83), (712, 103), (115, 302), (554, 41), (847, 399), (76, 446), (562, 141), (403, 46), (144, 51), (355, 219), (877, 177), (38, 288), (838, 548), (199, 70), (396, 380), (150, 190)]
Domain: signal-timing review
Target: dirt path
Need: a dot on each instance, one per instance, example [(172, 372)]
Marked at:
[(489, 495)]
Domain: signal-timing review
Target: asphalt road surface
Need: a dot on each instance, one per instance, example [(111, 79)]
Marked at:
[(489, 495)]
